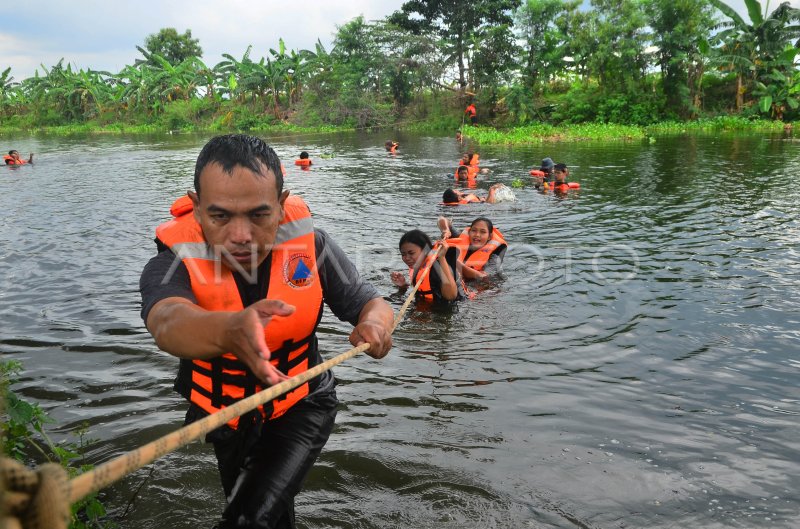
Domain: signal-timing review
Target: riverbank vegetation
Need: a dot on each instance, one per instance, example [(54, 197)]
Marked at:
[(25, 439), (534, 68)]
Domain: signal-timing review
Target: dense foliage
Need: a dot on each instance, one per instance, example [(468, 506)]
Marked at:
[(633, 62)]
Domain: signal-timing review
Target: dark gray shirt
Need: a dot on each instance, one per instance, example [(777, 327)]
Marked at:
[(343, 289)]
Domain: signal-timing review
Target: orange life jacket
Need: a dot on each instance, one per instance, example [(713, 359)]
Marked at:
[(477, 259), (537, 172), (563, 187), (305, 162), (224, 380), (471, 174), (475, 161), (10, 160), (471, 111), (425, 291)]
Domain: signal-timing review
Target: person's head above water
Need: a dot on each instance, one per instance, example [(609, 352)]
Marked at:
[(462, 172), (414, 245), (480, 231), (560, 172), (547, 165), (243, 150), (239, 199), (303, 155), (450, 196)]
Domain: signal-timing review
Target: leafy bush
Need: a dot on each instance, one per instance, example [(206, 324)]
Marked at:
[(24, 434)]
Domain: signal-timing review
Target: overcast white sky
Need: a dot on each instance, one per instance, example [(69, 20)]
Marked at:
[(103, 34)]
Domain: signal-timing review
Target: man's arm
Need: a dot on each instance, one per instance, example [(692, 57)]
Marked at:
[(185, 330)]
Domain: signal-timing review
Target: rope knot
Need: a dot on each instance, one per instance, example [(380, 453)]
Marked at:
[(34, 499)]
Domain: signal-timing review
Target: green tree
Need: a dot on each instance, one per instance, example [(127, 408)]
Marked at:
[(749, 48), (172, 46), (617, 58), (544, 41), (357, 56), (680, 32), (456, 23)]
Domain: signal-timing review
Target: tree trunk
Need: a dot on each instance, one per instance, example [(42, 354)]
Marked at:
[(739, 93), (462, 82)]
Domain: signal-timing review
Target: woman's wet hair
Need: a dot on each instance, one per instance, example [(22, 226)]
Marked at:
[(449, 196), (488, 222), (231, 150), (418, 238)]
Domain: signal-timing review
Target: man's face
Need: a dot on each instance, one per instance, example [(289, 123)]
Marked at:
[(239, 213), (560, 175), (15, 155)]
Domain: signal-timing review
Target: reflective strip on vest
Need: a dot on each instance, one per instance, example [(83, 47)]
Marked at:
[(292, 230)]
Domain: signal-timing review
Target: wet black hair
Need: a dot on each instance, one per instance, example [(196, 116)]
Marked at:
[(12, 151), (462, 168), (303, 155), (487, 221), (418, 238), (449, 196), (560, 167), (231, 150)]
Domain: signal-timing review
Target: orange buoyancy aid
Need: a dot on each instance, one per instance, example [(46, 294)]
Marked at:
[(304, 162), (476, 160), (10, 160), (424, 291), (471, 110), (471, 175), (563, 187), (478, 259), (224, 380), (537, 172)]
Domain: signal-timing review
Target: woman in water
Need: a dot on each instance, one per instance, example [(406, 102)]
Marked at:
[(481, 246), (440, 282)]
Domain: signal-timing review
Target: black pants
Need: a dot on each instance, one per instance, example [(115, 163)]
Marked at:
[(263, 467)]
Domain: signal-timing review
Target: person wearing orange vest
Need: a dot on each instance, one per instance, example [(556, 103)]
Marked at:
[(304, 161), (454, 197), (236, 292), (560, 184), (12, 158), (440, 279), (472, 112), (463, 176), (481, 246), (391, 146), (544, 174)]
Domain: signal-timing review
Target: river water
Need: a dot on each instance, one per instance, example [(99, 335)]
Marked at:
[(635, 366)]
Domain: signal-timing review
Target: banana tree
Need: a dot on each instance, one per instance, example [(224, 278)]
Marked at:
[(779, 90), (8, 90), (749, 49)]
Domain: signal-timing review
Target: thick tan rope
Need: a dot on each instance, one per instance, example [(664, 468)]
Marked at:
[(41, 499)]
